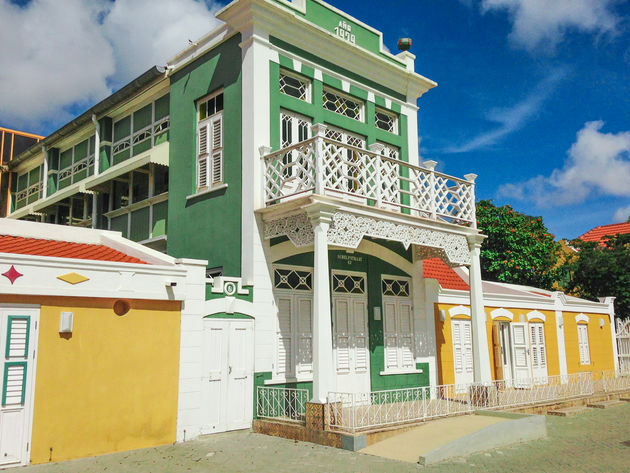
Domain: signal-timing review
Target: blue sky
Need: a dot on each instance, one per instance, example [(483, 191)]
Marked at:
[(533, 95)]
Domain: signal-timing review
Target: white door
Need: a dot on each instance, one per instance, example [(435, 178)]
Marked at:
[(462, 353), (506, 351), (229, 382), (538, 353), (520, 354), (18, 340), (350, 332)]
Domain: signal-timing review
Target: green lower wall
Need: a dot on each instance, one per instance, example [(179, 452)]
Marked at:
[(374, 267), (260, 378)]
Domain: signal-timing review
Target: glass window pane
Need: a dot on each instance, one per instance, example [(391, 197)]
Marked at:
[(140, 186)]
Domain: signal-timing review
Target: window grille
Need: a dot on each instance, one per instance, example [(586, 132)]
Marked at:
[(348, 284), (343, 105), (395, 287), (293, 279), (385, 120), (295, 86)]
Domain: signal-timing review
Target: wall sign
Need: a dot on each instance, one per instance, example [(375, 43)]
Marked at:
[(344, 31), (350, 258)]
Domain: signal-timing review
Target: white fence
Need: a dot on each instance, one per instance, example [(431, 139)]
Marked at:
[(324, 166), (281, 403), (353, 412), (623, 344)]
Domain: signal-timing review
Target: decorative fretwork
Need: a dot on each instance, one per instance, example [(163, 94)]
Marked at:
[(294, 279), (375, 179), (395, 287), (347, 230), (294, 86), (76, 168), (386, 120), (348, 284), (335, 102)]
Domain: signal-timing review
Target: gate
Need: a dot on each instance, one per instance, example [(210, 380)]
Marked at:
[(623, 345)]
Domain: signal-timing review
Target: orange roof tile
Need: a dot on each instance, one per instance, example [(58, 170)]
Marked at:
[(63, 249), (435, 268), (598, 233)]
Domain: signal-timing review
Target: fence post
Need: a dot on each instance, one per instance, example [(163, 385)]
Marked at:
[(430, 165)]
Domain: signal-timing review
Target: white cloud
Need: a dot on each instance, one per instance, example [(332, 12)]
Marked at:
[(622, 214), (597, 163), (542, 24), (68, 53), (513, 118)]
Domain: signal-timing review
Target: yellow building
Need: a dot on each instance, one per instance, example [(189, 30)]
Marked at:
[(91, 341)]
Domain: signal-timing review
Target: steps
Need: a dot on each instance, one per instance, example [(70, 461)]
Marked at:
[(567, 411), (606, 404)]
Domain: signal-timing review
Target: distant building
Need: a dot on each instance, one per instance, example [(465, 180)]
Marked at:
[(12, 143), (600, 232)]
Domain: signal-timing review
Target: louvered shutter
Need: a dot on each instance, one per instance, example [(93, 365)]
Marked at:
[(468, 364), (217, 150), (285, 341), (203, 152), (457, 346), (585, 358), (406, 335), (534, 346), (541, 346), (305, 336), (16, 356), (391, 338)]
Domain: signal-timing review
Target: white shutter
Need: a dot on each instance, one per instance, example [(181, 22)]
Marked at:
[(391, 338), (16, 355), (541, 346), (304, 306), (585, 358), (217, 150), (405, 327), (457, 346), (202, 155), (468, 352), (285, 352)]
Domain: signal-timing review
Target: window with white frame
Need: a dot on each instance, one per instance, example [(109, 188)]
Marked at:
[(210, 141), (398, 325), (386, 120), (342, 104), (293, 292), (294, 129), (350, 169), (585, 356), (295, 85), (29, 187)]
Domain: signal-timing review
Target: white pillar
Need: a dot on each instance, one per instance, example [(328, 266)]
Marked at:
[(558, 298), (481, 355), (324, 376)]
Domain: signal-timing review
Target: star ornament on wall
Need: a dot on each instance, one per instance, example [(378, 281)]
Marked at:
[(12, 274)]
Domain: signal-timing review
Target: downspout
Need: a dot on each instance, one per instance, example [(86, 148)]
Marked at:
[(97, 152)]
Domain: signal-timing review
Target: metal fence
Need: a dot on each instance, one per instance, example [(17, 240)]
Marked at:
[(281, 403), (364, 411)]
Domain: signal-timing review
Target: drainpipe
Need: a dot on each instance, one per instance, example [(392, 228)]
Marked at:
[(45, 174), (97, 152)]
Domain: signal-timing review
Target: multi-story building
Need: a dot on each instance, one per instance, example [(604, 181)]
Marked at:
[(12, 143), (282, 148)]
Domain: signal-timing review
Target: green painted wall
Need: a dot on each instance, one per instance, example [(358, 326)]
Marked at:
[(209, 226), (328, 19), (374, 267)]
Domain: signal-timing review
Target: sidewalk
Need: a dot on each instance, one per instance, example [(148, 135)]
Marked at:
[(596, 441)]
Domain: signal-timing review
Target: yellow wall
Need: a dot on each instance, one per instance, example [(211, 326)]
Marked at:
[(110, 386), (444, 341), (599, 343)]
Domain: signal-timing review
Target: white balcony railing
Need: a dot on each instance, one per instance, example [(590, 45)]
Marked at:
[(285, 404), (324, 166)]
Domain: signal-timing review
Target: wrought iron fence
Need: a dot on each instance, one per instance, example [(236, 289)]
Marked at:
[(611, 381), (363, 411), (281, 403), (324, 166)]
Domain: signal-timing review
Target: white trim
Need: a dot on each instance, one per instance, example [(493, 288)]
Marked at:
[(581, 318), (401, 371), (228, 305), (209, 190), (501, 312), (459, 310), (534, 314)]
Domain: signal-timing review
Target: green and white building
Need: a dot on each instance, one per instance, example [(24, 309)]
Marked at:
[(282, 148)]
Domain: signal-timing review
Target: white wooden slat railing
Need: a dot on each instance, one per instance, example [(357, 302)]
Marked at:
[(324, 166)]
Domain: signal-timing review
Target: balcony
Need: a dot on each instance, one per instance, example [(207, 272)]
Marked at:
[(323, 166)]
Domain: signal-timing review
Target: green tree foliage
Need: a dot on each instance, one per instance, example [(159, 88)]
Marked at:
[(519, 248), (603, 270)]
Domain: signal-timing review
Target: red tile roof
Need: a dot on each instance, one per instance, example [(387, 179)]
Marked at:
[(598, 233), (63, 249), (435, 268)]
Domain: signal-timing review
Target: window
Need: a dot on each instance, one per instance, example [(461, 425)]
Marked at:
[(295, 86), (398, 325), (295, 129), (210, 141), (343, 104), (29, 187), (386, 120), (585, 357), (349, 171), (293, 291)]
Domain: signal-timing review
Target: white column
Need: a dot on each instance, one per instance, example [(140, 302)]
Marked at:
[(324, 375), (45, 173), (481, 355), (610, 301)]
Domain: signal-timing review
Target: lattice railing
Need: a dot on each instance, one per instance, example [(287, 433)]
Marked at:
[(363, 411), (281, 403), (325, 166)]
